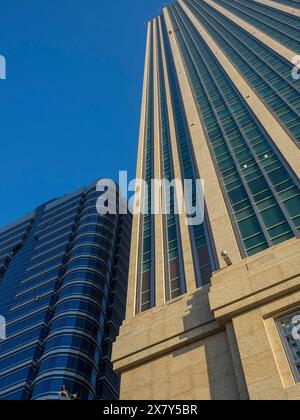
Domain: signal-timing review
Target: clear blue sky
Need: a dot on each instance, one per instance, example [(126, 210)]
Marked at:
[(70, 106)]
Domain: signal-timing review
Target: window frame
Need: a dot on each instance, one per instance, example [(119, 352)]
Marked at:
[(286, 346)]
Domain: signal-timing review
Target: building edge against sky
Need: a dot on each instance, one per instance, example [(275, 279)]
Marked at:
[(219, 103), (63, 287)]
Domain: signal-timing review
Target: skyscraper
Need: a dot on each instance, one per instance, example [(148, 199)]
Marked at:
[(213, 309), (63, 284)]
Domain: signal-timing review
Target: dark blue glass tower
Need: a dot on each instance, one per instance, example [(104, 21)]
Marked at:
[(63, 286)]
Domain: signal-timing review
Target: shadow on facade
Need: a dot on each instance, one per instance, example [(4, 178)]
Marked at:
[(207, 361)]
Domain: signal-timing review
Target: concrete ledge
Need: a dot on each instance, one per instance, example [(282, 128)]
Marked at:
[(256, 280), (164, 329)]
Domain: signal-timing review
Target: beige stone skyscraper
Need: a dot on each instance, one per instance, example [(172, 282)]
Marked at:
[(214, 309)]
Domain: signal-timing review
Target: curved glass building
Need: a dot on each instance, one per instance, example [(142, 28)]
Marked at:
[(63, 286)]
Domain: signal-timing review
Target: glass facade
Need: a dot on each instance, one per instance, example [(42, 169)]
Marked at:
[(291, 3), (261, 191), (280, 26), (259, 188), (267, 73), (174, 269), (200, 236), (63, 289), (146, 280)]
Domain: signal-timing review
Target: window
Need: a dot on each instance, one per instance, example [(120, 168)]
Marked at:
[(289, 328)]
